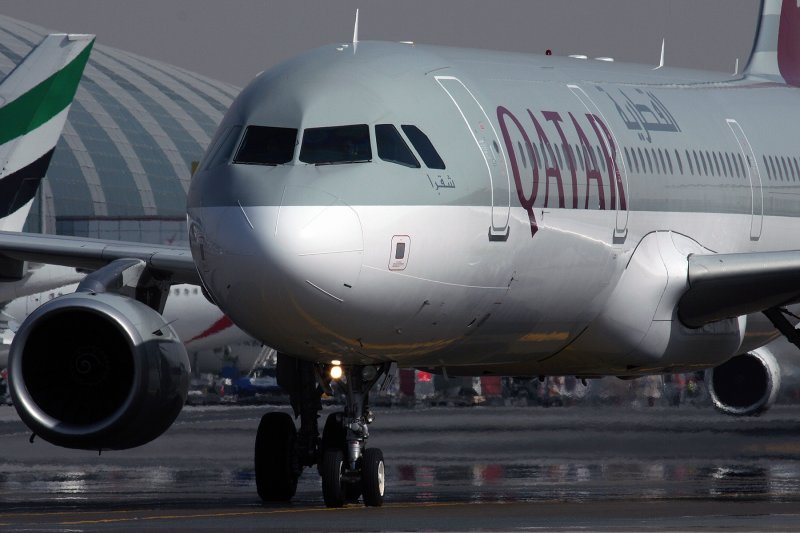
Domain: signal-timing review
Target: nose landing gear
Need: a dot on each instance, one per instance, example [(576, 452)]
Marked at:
[(348, 468)]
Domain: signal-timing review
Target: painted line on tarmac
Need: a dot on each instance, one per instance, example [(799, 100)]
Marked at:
[(232, 514)]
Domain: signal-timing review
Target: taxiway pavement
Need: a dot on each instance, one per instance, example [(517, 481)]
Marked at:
[(491, 468)]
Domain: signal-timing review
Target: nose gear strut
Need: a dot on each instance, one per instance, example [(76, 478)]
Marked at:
[(348, 468)]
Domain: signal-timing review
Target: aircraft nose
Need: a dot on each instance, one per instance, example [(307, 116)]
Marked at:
[(319, 241), (304, 257), (276, 270)]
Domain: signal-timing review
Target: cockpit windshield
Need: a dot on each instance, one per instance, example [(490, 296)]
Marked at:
[(336, 145), (392, 147), (263, 145), (423, 147)]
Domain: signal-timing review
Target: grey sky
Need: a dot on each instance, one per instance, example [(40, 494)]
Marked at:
[(232, 40)]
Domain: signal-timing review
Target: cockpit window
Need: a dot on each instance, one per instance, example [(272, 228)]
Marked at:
[(423, 147), (223, 148), (264, 145), (392, 147), (336, 145)]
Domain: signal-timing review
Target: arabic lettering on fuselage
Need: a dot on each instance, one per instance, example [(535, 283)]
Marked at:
[(526, 180), (644, 118), (439, 182)]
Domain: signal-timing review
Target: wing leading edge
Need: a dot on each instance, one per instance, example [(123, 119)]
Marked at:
[(728, 285), (175, 262)]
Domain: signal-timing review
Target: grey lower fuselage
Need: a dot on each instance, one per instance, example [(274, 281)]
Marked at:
[(503, 272)]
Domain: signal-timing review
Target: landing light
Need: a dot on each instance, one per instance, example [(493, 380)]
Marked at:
[(336, 370)]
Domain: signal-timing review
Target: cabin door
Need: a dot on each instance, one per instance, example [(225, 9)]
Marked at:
[(483, 132), (754, 175), (620, 172)]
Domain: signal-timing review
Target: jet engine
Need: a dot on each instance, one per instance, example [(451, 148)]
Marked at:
[(97, 371), (745, 385)]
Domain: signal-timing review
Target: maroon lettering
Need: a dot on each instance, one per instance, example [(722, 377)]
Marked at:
[(526, 201), (592, 168), (555, 118), (610, 153), (527, 183), (551, 170)]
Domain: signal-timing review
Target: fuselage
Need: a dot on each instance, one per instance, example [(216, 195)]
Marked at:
[(505, 251)]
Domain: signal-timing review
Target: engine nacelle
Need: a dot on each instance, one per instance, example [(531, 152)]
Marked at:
[(97, 371), (745, 385)]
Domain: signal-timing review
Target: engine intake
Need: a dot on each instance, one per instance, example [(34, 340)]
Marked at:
[(97, 371), (747, 384)]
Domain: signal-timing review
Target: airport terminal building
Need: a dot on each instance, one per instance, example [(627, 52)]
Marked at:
[(122, 166)]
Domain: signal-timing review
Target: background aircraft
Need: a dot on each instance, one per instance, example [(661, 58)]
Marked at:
[(471, 212), (35, 100), (37, 97)]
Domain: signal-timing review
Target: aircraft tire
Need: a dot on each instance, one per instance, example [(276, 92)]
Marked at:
[(333, 436), (373, 480), (276, 461), (333, 491)]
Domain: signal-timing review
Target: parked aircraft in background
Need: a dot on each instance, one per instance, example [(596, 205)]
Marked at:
[(36, 98), (34, 101), (466, 211)]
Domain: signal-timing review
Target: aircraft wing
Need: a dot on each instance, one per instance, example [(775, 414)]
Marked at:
[(92, 254), (728, 285)]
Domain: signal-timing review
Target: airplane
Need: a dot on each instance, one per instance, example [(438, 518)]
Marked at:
[(35, 99), (463, 211)]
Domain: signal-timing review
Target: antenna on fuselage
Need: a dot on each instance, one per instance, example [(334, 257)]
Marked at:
[(355, 33), (661, 63)]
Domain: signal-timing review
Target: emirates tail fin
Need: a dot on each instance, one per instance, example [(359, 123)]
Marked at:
[(34, 101)]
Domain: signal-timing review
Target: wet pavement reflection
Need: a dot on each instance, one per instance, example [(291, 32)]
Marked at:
[(481, 454)]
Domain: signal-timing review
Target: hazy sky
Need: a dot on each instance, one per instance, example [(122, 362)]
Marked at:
[(232, 40)]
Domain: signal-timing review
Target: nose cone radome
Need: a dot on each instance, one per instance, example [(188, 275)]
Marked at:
[(289, 268)]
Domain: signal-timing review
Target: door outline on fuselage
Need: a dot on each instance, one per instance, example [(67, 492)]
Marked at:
[(621, 226), (501, 206), (756, 199)]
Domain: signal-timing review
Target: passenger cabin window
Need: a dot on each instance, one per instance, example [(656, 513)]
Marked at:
[(265, 145), (336, 145), (392, 147), (423, 147)]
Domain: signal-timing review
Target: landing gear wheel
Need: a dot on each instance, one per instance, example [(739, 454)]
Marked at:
[(373, 478), (333, 436), (333, 491), (276, 462)]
